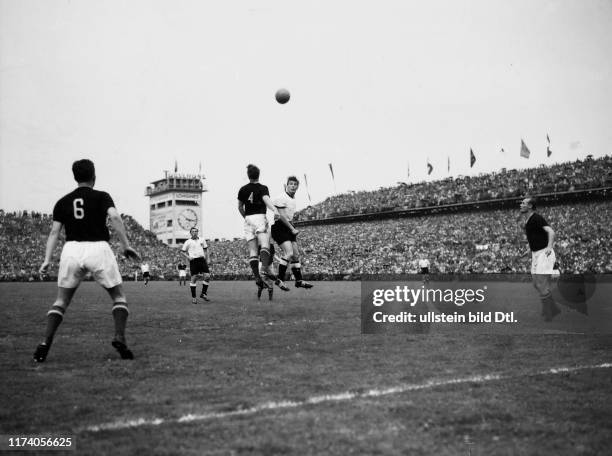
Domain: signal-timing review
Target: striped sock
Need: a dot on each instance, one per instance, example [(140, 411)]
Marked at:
[(297, 270), (282, 268), (254, 263)]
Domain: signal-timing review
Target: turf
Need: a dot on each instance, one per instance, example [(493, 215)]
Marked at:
[(229, 357)]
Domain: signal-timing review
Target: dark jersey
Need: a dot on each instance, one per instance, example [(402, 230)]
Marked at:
[(252, 197), (83, 214), (182, 266), (537, 237)]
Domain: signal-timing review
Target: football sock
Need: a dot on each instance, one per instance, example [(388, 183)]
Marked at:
[(54, 319), (204, 287), (264, 257), (282, 268), (192, 286), (254, 263), (297, 270), (120, 315)]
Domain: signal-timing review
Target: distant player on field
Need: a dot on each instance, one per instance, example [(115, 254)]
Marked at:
[(253, 202), (182, 272), (196, 251), (424, 269), (540, 237), (271, 266), (83, 214), (144, 267), (285, 234)]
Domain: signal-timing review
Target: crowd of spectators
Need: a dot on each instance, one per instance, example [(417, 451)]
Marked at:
[(473, 242), (569, 176), (23, 239), (467, 242)]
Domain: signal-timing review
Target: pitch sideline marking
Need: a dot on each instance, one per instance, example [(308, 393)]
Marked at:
[(345, 396)]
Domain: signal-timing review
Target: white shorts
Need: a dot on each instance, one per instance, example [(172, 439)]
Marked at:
[(254, 225), (182, 273), (79, 258), (542, 264)]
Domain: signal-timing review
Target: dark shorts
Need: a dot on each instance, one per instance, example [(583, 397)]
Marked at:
[(280, 233), (145, 275), (424, 270), (198, 266)]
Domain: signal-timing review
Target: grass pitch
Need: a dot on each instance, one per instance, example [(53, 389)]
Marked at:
[(292, 376)]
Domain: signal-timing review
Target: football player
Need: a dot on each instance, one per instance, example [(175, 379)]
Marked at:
[(82, 213), (253, 202), (196, 251), (285, 234), (540, 237)]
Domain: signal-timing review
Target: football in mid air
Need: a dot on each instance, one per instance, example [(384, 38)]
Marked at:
[(282, 96)]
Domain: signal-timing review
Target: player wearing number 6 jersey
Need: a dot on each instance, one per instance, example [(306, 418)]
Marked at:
[(83, 214)]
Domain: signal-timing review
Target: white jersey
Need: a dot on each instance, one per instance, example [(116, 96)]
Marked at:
[(424, 263), (285, 205), (144, 268), (195, 247)]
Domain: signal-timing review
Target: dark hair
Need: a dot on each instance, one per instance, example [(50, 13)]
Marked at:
[(293, 179), (83, 170), (253, 172), (193, 228), (532, 202)]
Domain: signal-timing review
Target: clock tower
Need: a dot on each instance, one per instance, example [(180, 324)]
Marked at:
[(175, 206)]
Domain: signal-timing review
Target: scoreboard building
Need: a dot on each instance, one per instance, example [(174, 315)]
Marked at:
[(175, 206)]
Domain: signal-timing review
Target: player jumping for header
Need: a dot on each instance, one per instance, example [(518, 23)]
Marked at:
[(83, 214), (253, 202), (285, 234)]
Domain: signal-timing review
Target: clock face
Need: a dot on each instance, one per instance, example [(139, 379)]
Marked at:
[(187, 219)]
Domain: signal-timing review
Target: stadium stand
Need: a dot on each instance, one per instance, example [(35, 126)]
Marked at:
[(462, 225), (565, 177)]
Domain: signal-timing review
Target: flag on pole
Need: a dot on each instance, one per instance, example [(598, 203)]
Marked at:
[(175, 166), (524, 151), (502, 150), (331, 170), (200, 168), (307, 191), (429, 167), (448, 164), (472, 158), (408, 171), (548, 151)]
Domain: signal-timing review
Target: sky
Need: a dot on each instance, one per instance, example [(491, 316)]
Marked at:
[(377, 89)]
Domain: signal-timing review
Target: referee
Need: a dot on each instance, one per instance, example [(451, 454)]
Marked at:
[(196, 250)]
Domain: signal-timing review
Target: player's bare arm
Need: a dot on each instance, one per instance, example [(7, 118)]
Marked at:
[(241, 208), (117, 224), (283, 218), (551, 239), (56, 228), (268, 202)]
